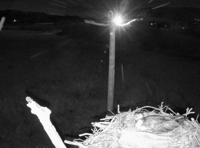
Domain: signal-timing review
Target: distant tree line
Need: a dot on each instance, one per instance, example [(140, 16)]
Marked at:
[(15, 17)]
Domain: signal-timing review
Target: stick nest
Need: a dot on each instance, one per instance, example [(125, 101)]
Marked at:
[(145, 127)]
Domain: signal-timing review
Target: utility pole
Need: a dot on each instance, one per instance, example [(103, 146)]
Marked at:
[(111, 70), (116, 20)]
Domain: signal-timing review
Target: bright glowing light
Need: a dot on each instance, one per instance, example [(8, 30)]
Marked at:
[(118, 20)]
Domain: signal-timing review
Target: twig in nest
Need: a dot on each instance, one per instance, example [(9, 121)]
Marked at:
[(189, 111), (75, 143), (109, 124), (85, 134)]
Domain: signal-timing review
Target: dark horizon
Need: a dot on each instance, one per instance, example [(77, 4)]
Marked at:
[(87, 7), (193, 12)]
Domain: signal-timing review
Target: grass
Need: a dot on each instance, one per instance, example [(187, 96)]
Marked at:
[(71, 75)]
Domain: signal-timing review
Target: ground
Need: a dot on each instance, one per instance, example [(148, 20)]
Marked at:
[(68, 73)]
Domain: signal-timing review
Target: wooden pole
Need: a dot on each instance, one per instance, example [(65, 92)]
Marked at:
[(111, 70)]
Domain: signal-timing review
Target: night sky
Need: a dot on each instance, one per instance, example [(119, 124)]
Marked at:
[(86, 7)]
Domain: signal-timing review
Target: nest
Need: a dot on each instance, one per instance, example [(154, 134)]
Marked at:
[(145, 127)]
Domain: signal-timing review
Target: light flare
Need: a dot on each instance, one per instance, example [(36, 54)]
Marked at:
[(150, 1), (58, 5), (118, 20), (60, 2), (162, 5)]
